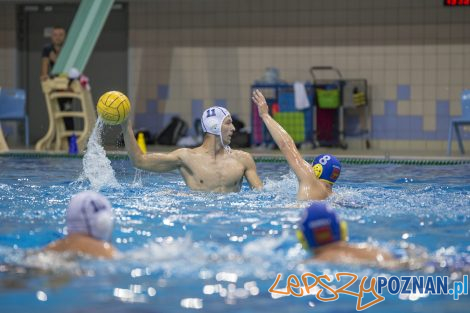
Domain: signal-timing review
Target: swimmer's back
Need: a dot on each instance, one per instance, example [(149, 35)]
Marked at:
[(83, 244), (341, 252), (310, 188)]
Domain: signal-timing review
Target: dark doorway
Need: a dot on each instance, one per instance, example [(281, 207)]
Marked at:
[(106, 68)]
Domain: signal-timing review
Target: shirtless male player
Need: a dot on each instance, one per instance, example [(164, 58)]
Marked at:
[(315, 180), (213, 166)]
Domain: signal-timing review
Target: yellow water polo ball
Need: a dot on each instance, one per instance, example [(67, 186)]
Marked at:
[(113, 107)]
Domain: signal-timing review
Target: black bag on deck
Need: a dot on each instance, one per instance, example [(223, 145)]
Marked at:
[(173, 132), (240, 139), (237, 123)]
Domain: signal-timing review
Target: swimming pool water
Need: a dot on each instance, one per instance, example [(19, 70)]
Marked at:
[(184, 250)]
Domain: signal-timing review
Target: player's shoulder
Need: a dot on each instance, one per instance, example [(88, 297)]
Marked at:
[(187, 153), (182, 152), (240, 153), (243, 156)]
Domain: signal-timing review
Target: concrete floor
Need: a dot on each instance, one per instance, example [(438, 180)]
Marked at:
[(355, 150)]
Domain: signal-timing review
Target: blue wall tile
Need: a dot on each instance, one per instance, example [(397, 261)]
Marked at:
[(378, 122), (429, 135), (220, 103), (390, 108), (442, 108), (403, 92), (148, 121), (151, 120), (405, 124), (152, 106), (402, 135), (410, 127), (162, 92), (391, 123), (416, 124)]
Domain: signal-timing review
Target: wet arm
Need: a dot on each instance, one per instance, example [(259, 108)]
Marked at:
[(251, 174), (156, 162), (284, 141)]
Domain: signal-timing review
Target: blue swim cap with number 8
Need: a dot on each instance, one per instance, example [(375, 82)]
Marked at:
[(327, 168)]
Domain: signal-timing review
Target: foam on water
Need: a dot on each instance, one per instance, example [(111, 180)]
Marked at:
[(49, 261), (189, 244), (96, 166), (286, 185)]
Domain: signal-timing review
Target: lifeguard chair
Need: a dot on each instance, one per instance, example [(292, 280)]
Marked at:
[(3, 143), (81, 39), (57, 136)]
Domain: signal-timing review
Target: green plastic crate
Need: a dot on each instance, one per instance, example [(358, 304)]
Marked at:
[(328, 98), (293, 123)]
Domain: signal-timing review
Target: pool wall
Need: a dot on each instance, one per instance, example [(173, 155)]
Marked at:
[(185, 56)]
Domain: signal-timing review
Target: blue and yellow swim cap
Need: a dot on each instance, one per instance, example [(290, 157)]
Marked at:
[(320, 226), (327, 168)]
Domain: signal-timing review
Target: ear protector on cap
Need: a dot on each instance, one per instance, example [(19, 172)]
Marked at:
[(327, 168)]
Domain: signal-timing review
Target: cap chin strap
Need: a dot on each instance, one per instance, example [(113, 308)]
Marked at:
[(226, 147)]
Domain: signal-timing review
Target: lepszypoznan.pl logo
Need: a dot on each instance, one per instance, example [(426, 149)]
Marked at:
[(319, 286)]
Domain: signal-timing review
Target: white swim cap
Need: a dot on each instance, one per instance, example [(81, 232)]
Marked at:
[(212, 120), (90, 213)]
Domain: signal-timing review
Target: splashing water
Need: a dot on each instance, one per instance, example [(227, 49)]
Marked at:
[(182, 244), (96, 166), (137, 179)]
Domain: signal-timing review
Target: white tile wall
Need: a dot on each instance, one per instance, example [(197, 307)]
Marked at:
[(215, 49)]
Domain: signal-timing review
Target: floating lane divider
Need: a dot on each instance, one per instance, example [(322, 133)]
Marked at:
[(264, 159)]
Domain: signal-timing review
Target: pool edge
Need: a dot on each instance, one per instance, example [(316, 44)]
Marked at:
[(269, 158)]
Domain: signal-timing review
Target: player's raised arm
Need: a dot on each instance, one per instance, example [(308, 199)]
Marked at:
[(284, 141)]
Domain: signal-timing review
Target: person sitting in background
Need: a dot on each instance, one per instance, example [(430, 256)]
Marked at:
[(90, 223), (316, 180), (213, 166), (321, 232), (51, 51)]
